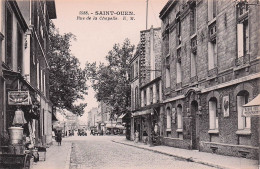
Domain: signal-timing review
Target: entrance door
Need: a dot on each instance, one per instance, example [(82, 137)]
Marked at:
[(194, 124)]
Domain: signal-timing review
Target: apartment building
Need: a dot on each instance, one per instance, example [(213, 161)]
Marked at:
[(210, 56), (24, 70)]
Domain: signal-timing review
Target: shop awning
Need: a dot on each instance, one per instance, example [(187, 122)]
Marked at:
[(139, 113), (119, 126), (252, 108), (109, 125), (122, 116)]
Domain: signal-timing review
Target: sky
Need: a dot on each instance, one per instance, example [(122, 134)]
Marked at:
[(95, 38)]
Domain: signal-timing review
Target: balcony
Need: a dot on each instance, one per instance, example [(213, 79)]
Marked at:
[(213, 72), (243, 60)]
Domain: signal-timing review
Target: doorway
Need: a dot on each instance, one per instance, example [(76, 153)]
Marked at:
[(194, 125)]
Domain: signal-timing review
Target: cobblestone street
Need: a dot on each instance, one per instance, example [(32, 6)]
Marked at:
[(100, 152)]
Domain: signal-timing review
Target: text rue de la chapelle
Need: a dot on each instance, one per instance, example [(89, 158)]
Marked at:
[(106, 15)]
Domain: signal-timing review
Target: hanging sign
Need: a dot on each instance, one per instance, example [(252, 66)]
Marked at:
[(18, 98)]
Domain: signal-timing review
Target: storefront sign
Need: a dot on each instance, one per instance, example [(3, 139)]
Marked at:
[(18, 98), (251, 111), (139, 113), (253, 107)]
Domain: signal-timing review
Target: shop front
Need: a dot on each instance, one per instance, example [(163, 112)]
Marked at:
[(21, 119), (147, 124)]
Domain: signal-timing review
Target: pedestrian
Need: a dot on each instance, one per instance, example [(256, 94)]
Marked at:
[(145, 137), (136, 136), (59, 138)]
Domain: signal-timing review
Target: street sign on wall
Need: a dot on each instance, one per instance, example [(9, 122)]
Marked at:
[(18, 98)]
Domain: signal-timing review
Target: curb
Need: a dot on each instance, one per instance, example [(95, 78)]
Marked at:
[(190, 159), (67, 163)]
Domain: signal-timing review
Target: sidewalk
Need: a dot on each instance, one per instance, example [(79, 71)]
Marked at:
[(57, 157), (218, 161)]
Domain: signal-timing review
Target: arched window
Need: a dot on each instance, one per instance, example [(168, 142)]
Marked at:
[(243, 122), (179, 117), (213, 115), (168, 111)]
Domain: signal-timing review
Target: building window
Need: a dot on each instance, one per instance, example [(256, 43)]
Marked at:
[(166, 35), (151, 95), (136, 97), (242, 39), (213, 115), (193, 20), (19, 49), (132, 99), (136, 69), (168, 124), (179, 117), (41, 80), (167, 74), (193, 71), (179, 73), (157, 93), (167, 48), (243, 122), (38, 74), (145, 98), (9, 37), (212, 9), (212, 55), (44, 84), (178, 28), (132, 72)]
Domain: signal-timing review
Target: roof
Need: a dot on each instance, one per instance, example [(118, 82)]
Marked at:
[(167, 7)]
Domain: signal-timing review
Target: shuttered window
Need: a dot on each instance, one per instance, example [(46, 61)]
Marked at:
[(240, 40), (213, 118)]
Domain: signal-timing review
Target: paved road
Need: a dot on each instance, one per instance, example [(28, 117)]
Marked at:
[(98, 152)]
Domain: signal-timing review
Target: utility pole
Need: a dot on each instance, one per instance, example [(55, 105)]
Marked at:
[(146, 13)]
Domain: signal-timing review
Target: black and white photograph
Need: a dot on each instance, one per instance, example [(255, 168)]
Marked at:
[(129, 84)]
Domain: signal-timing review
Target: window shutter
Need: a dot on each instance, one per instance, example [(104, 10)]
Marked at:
[(240, 102), (167, 77), (210, 10), (240, 42), (168, 119), (179, 78), (193, 65), (212, 115), (210, 56), (179, 118)]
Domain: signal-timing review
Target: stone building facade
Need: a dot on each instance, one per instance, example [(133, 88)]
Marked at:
[(146, 84), (24, 65), (210, 56), (135, 91)]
